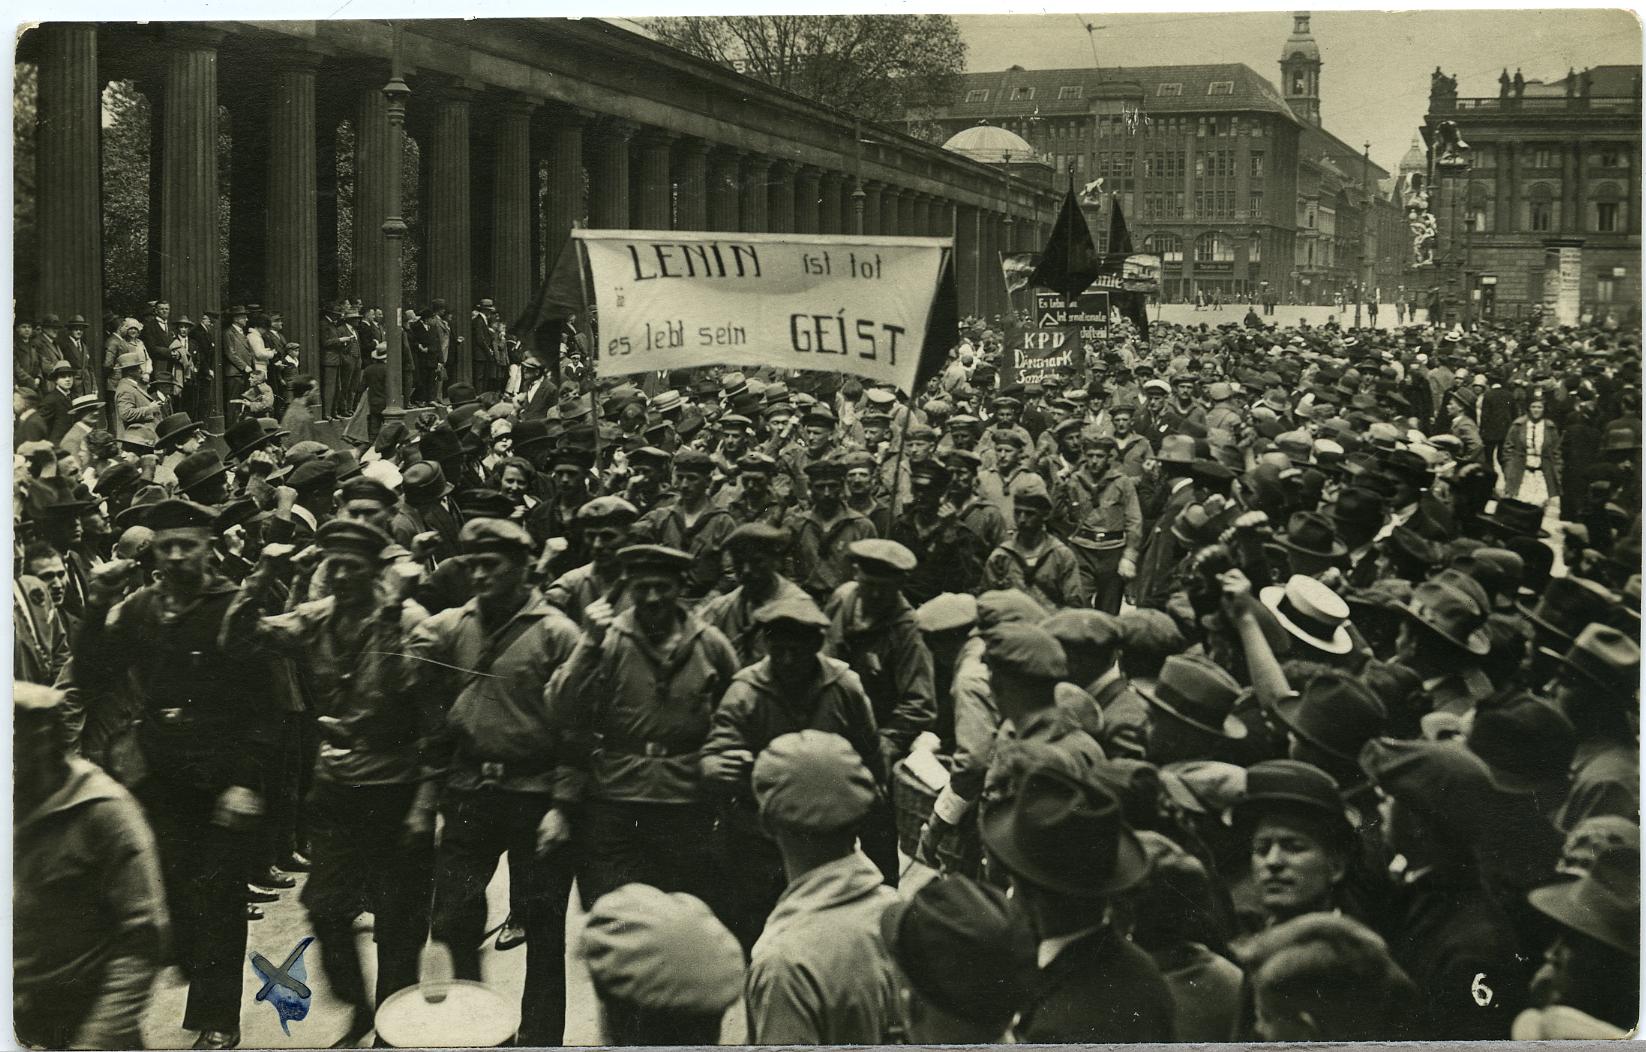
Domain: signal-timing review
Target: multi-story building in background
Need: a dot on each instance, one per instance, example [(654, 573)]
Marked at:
[(1232, 182), (1541, 207)]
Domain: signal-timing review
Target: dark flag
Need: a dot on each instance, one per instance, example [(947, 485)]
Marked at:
[(942, 326), (1070, 262), (1133, 305)]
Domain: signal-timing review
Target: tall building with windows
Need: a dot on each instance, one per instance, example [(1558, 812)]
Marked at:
[(1231, 181), (1545, 197)]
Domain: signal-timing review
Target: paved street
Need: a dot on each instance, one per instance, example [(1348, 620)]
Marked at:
[(1285, 315)]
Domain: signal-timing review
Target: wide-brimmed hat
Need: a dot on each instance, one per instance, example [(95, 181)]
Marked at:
[(1516, 518), (84, 402), (175, 428), (1312, 612), (1197, 692), (1064, 835), (1335, 712), (1568, 605), (1359, 506), (1603, 904), (198, 467), (1605, 657), (1526, 741), (1451, 613), (246, 435), (424, 482), (1310, 533)]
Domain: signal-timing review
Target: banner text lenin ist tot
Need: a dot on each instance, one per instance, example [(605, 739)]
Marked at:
[(674, 300)]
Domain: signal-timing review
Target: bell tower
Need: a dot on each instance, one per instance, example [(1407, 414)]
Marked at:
[(1300, 70)]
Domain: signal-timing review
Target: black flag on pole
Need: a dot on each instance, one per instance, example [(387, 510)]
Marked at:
[(1133, 306), (942, 326), (1070, 262)]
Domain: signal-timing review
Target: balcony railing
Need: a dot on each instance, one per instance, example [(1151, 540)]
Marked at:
[(1539, 104)]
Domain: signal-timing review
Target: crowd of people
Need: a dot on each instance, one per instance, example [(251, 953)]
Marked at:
[(1242, 683)]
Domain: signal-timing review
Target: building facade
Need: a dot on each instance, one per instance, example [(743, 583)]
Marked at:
[(1542, 207), (1232, 182)]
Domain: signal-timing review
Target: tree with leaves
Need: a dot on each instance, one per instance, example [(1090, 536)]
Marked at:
[(873, 66)]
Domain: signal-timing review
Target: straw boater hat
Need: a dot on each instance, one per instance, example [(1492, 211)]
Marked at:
[(1311, 612)]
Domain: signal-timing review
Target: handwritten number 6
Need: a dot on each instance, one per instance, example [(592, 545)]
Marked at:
[(1482, 993)]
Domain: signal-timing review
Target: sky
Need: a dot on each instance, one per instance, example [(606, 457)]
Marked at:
[(1375, 65)]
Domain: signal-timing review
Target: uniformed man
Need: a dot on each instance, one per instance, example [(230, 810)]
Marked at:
[(793, 688), (603, 525), (635, 702), (485, 665), (860, 468), (977, 513), (1097, 512), (373, 780), (1033, 560), (204, 733), (872, 629), (1010, 463), (752, 500), (693, 523), (757, 551), (819, 559), (950, 556), (1132, 450)]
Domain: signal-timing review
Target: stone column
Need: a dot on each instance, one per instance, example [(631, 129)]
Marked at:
[(829, 199), (1511, 217), (373, 170), (723, 192), (448, 246), (966, 253), (807, 212), (1570, 221), (393, 233), (921, 216), (891, 204), (512, 210), (872, 221), (691, 167), (1501, 202), (189, 277), (655, 208), (328, 114), (905, 214), (608, 160), (1632, 202), (68, 183), (294, 253), (1580, 189), (247, 280), (780, 198), (752, 194), (563, 194)]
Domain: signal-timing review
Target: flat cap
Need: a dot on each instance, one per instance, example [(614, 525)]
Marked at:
[(693, 460), (494, 535), (792, 610), (812, 780), (883, 559), (607, 511), (1000, 605), (313, 474), (364, 487), (758, 536), (1025, 649), (655, 557), (947, 612), (1084, 629), (757, 462), (660, 951), (339, 536)]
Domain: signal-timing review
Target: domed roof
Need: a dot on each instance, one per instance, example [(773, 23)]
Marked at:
[(1415, 160), (991, 145)]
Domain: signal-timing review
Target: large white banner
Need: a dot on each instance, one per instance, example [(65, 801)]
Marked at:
[(673, 300)]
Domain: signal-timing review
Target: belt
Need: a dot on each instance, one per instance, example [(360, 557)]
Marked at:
[(499, 770), (1100, 535), (623, 745)]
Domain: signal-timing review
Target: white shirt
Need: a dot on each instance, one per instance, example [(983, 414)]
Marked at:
[(1049, 949)]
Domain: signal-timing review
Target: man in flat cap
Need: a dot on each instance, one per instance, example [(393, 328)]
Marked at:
[(88, 902), (820, 974), (794, 687), (485, 664), (603, 526), (1097, 512), (634, 703), (665, 969), (1032, 558), (205, 736), (949, 555), (757, 551), (376, 754), (819, 557), (753, 498)]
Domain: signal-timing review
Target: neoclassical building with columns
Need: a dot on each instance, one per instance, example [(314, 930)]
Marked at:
[(525, 128)]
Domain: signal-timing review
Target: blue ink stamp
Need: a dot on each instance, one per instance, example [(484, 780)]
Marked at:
[(285, 986)]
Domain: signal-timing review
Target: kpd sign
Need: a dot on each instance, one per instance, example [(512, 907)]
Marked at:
[(1042, 353)]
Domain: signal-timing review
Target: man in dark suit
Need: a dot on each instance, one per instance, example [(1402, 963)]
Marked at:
[(157, 337), (1069, 851), (55, 404)]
